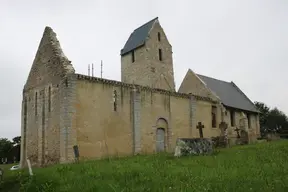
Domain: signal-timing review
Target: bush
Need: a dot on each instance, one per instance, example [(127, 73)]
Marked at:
[(219, 142)]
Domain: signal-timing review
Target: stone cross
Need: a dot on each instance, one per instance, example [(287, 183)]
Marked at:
[(237, 130), (200, 127)]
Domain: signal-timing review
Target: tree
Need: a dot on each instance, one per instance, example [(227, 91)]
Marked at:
[(271, 120), (277, 120), (5, 146), (17, 140), (263, 116)]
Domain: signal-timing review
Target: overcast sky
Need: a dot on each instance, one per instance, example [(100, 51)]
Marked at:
[(245, 41)]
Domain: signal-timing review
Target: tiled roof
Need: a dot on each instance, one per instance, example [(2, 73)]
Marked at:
[(138, 37), (229, 93)]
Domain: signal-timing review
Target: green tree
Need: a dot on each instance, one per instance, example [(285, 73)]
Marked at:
[(264, 113), (17, 140), (277, 120), (272, 120), (5, 146)]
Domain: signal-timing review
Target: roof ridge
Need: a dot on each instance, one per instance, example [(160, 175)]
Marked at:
[(146, 23), (221, 87), (213, 78)]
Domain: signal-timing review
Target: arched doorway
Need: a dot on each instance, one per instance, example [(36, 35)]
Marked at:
[(160, 139), (161, 132)]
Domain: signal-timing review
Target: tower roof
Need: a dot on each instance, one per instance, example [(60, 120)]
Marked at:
[(138, 37)]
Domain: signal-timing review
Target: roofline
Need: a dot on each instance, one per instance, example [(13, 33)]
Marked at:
[(141, 87), (227, 106), (205, 84), (243, 93), (143, 43), (212, 78), (145, 23), (127, 52), (237, 88)]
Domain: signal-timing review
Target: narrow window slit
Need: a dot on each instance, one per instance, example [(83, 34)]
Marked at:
[(115, 100)]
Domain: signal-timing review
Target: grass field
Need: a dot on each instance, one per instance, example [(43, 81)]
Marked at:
[(259, 167)]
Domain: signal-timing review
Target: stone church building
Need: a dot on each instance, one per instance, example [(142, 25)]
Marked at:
[(141, 114)]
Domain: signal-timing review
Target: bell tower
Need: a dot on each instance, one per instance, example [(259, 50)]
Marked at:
[(146, 58)]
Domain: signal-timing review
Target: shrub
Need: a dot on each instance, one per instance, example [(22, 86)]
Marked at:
[(219, 142)]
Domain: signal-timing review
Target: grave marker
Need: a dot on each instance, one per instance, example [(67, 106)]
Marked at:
[(76, 152), (200, 128)]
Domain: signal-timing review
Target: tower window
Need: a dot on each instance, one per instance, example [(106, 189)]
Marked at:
[(160, 54), (133, 56), (159, 36)]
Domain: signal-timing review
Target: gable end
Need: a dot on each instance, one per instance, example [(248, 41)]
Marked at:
[(138, 37)]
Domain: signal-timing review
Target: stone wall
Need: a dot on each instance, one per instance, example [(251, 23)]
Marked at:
[(40, 128), (131, 129), (148, 70), (253, 131), (101, 131)]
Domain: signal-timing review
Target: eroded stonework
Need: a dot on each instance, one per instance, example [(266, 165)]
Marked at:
[(196, 146), (42, 101)]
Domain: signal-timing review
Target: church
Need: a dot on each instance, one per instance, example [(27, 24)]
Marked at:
[(143, 114)]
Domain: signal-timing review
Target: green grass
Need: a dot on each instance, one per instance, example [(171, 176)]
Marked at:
[(259, 167)]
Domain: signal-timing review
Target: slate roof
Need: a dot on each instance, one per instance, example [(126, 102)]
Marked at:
[(229, 93), (138, 37)]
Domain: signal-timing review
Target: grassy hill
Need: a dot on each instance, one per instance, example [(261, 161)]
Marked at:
[(261, 167)]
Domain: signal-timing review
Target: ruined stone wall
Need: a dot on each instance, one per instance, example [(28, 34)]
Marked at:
[(148, 70), (40, 128), (131, 129), (41, 132), (253, 131)]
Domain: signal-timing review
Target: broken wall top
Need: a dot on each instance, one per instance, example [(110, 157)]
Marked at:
[(50, 63)]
